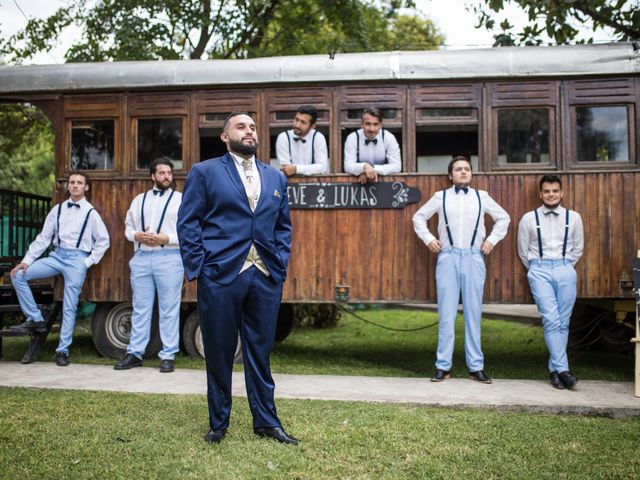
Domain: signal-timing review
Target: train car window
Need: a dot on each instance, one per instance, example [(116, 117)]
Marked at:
[(523, 136), (210, 128), (160, 138), (92, 144), (443, 132), (282, 120), (602, 134)]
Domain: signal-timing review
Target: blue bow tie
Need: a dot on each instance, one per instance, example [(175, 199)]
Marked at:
[(71, 204), (299, 139), (373, 140), (158, 192), (464, 189)]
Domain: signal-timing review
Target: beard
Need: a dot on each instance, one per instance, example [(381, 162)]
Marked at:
[(551, 206), (242, 148), (163, 185)]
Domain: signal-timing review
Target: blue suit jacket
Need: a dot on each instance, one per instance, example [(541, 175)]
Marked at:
[(216, 225)]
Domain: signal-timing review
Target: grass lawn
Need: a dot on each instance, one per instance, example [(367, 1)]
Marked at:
[(512, 350), (76, 434)]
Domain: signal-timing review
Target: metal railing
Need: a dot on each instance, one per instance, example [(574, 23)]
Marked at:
[(21, 218)]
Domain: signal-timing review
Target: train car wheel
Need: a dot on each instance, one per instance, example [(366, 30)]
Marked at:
[(192, 338), (285, 321), (111, 330)]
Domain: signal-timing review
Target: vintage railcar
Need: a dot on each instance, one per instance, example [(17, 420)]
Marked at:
[(519, 113)]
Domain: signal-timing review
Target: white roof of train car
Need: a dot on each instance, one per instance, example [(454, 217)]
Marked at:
[(503, 62)]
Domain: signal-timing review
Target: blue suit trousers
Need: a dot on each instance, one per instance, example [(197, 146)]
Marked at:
[(248, 306)]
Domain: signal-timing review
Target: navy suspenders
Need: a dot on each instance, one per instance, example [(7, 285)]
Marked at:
[(313, 146), (566, 233), (446, 220), (164, 211), (84, 225), (358, 148)]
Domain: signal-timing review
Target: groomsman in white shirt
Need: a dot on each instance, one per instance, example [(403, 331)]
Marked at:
[(371, 150), (80, 239), (303, 149), (461, 246), (156, 267), (550, 243)]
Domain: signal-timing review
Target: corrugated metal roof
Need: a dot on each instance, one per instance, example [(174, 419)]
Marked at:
[(504, 62)]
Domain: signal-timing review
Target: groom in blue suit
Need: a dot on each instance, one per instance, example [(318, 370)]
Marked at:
[(235, 238)]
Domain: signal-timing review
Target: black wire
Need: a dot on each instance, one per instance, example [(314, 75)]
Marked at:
[(348, 310)]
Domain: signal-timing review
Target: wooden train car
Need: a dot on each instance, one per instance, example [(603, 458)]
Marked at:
[(518, 112)]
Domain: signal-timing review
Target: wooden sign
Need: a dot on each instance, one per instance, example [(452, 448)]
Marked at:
[(351, 195)]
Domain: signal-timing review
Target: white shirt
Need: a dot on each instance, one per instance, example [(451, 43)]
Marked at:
[(298, 153), (371, 153), (95, 238), (153, 207), (552, 229), (462, 213)]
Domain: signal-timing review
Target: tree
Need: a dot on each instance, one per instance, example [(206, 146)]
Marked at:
[(559, 20), (26, 149), (150, 30)]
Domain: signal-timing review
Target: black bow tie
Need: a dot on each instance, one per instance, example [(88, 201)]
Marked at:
[(464, 189), (373, 140), (158, 192), (71, 204), (552, 211), (296, 139)]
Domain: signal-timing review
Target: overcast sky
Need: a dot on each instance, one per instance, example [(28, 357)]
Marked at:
[(457, 24)]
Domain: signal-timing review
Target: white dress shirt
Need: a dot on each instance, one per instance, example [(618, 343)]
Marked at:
[(372, 154), (153, 207), (552, 228), (462, 213), (298, 153), (253, 258), (95, 239)]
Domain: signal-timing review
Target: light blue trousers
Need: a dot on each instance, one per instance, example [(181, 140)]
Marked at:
[(158, 271), (68, 263), (460, 271), (553, 285)]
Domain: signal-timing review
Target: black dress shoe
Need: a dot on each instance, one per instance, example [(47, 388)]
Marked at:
[(62, 359), (479, 376), (30, 326), (214, 436), (129, 361), (166, 366), (568, 379), (276, 433), (555, 381), (440, 375)]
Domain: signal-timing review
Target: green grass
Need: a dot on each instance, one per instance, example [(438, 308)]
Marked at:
[(114, 435), (512, 350)]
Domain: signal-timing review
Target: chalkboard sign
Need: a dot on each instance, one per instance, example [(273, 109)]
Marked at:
[(351, 195)]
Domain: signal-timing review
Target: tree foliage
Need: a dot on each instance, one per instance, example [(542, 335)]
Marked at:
[(114, 30), (561, 21), (26, 149)]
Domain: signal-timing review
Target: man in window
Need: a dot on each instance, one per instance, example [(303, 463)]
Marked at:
[(80, 240), (303, 149), (371, 150), (550, 243), (156, 267), (461, 246)]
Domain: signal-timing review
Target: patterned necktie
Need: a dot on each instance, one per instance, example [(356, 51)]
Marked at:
[(251, 184)]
